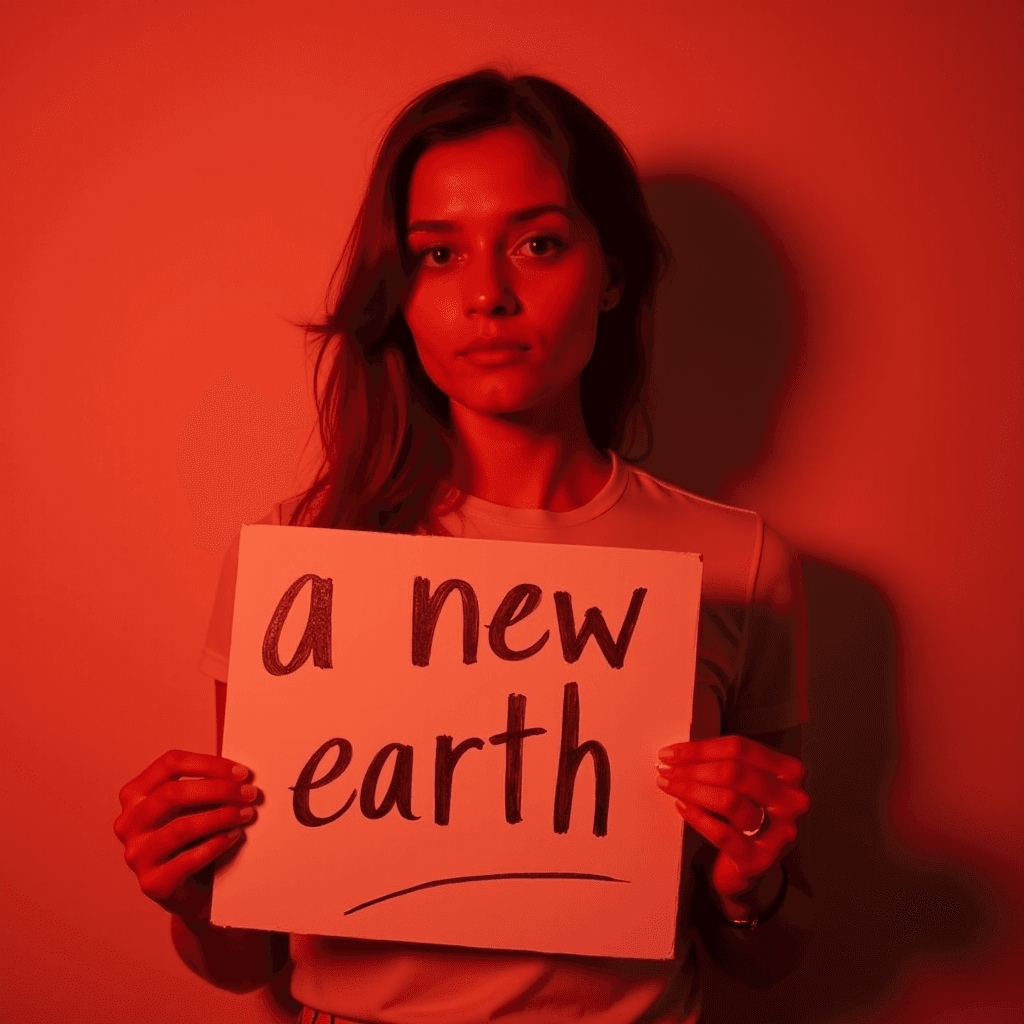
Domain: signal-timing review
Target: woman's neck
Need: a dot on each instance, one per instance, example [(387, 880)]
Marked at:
[(528, 461)]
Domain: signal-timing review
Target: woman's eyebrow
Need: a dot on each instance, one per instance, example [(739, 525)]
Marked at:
[(536, 211), (431, 225), (519, 217)]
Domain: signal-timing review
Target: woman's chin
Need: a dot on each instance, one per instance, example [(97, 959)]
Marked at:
[(498, 401)]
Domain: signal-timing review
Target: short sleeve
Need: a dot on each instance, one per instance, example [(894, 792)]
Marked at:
[(216, 650), (769, 691), (214, 660)]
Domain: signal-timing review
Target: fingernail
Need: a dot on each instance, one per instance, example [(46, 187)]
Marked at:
[(234, 834), (663, 782), (248, 792), (245, 813), (667, 754), (663, 768), (680, 806), (240, 771)]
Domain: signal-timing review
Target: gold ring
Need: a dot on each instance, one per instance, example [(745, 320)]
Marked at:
[(761, 826)]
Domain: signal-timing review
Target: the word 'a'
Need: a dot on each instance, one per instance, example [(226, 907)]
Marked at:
[(316, 638)]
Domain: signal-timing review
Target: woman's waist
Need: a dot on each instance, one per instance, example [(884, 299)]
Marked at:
[(394, 983)]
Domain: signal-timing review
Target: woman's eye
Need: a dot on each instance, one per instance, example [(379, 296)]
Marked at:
[(544, 246), (438, 256)]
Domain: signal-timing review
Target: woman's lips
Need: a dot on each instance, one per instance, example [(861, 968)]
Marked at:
[(495, 352)]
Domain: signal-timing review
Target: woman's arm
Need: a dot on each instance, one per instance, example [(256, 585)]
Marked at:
[(744, 877), (763, 955), (182, 816), (236, 959)]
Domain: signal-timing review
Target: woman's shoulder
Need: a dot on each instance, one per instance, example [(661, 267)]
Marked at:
[(738, 546), (281, 513), (658, 491)]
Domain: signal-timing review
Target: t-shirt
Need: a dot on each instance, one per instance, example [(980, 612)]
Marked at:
[(750, 680)]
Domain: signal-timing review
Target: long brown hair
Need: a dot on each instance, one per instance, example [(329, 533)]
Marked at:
[(385, 427)]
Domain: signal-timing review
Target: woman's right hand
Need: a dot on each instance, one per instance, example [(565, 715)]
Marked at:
[(181, 815)]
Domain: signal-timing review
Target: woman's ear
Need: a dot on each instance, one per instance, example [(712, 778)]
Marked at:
[(615, 283)]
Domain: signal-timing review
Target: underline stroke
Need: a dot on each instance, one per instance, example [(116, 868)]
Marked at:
[(485, 878)]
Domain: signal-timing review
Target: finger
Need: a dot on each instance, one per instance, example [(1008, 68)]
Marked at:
[(723, 748), (161, 881), (719, 833), (186, 796), (754, 854), (176, 764), (731, 747), (738, 810), (752, 784), (154, 848)]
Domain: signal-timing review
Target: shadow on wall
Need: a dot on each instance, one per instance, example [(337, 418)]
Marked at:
[(729, 333), (879, 910)]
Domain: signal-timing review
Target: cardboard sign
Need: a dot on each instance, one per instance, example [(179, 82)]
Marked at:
[(457, 739)]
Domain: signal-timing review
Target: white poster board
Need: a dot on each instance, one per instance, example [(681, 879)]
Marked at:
[(476, 769)]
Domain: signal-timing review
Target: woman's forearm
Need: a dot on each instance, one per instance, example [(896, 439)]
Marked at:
[(236, 959)]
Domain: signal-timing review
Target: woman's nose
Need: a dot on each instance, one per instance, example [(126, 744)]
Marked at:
[(488, 289)]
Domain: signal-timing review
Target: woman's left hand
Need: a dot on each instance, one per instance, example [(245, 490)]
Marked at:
[(721, 787)]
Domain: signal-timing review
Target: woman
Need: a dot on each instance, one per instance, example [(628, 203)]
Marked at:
[(483, 364)]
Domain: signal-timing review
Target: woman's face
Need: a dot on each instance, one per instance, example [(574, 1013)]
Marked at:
[(510, 275)]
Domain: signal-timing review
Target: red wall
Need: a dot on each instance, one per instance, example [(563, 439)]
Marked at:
[(178, 180)]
